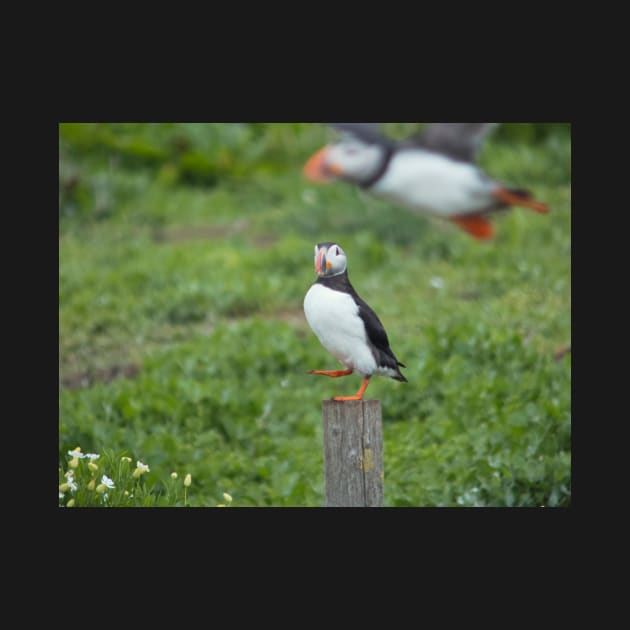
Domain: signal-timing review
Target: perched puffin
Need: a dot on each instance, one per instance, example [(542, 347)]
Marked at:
[(432, 173), (345, 325)]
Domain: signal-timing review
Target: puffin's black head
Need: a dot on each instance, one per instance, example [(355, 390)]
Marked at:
[(330, 259)]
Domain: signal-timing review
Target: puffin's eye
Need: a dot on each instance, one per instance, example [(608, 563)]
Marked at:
[(337, 251)]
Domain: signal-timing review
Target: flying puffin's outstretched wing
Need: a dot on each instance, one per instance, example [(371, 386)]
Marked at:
[(369, 132), (460, 141)]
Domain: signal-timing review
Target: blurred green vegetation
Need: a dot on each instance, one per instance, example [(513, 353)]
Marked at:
[(185, 254)]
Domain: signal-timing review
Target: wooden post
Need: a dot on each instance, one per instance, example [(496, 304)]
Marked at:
[(353, 453)]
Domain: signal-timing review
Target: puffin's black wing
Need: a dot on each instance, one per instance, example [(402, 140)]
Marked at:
[(457, 140), (376, 333), (368, 132)]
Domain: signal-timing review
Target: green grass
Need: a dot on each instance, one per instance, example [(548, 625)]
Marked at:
[(185, 254)]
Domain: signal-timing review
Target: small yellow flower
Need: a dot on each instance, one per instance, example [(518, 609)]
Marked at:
[(220, 505), (126, 493), (101, 488), (140, 469), (70, 503), (64, 487), (91, 485), (173, 475), (92, 466), (125, 459), (76, 455), (187, 480), (227, 497)]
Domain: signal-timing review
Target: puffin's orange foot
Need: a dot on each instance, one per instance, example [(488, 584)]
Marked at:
[(479, 227), (521, 198), (359, 394), (331, 373)]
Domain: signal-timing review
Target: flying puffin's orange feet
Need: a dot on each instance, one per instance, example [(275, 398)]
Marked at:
[(358, 395), (518, 198), (476, 226), (332, 373)]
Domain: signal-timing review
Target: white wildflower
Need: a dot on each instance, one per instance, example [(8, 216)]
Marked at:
[(107, 482)]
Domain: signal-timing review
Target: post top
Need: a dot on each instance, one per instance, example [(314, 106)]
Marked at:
[(368, 401), (361, 400)]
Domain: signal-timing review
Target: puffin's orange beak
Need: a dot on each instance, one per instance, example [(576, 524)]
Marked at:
[(320, 262), (316, 169)]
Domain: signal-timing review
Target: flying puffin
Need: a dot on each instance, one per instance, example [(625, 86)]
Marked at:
[(345, 325), (433, 173)]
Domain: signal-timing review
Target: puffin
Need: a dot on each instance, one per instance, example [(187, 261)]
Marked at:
[(345, 325), (432, 173)]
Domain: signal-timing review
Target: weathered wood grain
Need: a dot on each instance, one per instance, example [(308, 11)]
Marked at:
[(353, 453)]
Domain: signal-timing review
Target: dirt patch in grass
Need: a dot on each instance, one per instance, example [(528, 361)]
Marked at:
[(198, 232), (468, 296), (291, 316), (561, 352), (103, 375), (264, 241)]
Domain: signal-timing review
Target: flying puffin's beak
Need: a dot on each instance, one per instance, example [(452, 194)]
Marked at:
[(320, 262), (316, 168)]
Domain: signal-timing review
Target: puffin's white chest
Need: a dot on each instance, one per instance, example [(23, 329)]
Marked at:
[(434, 184), (334, 318)]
